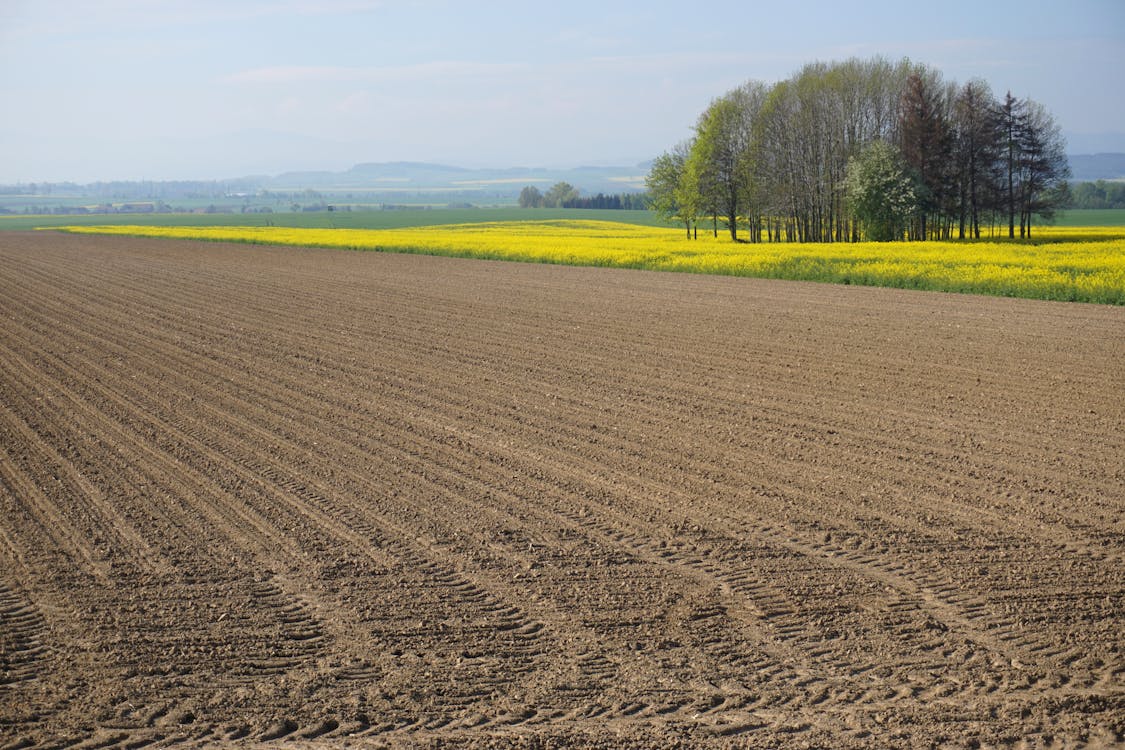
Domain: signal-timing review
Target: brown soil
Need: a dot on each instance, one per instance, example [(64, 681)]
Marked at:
[(312, 496)]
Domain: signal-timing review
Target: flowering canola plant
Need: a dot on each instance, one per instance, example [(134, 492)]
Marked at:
[(1085, 264)]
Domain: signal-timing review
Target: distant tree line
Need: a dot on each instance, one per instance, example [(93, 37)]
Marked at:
[(865, 149), (614, 201), (1099, 194), (146, 190), (565, 195)]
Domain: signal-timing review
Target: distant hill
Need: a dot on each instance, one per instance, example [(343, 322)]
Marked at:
[(422, 177), (366, 184), (1091, 167)]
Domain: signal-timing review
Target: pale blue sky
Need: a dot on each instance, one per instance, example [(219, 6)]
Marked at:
[(167, 89)]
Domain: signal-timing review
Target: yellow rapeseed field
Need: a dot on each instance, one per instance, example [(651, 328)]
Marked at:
[(1084, 264)]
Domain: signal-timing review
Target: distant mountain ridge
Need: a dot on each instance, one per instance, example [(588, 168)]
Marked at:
[(409, 175), (422, 176), (1091, 167)]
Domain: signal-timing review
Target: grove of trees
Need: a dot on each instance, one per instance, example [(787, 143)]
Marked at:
[(1098, 194), (565, 195), (864, 149), (531, 197)]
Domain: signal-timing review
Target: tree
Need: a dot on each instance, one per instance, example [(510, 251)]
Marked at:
[(1010, 116), (976, 153), (925, 143), (881, 191), (1043, 166), (530, 197), (721, 154), (1036, 167), (558, 194), (671, 197)]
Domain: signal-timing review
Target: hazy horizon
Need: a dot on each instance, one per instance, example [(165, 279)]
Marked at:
[(163, 90)]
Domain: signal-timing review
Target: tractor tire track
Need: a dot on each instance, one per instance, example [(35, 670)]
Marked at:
[(449, 501)]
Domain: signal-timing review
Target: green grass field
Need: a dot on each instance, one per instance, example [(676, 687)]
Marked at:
[(392, 219), (1105, 217)]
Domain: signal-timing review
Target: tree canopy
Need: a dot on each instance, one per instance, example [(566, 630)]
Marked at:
[(558, 194), (565, 195), (530, 197), (787, 161), (882, 192)]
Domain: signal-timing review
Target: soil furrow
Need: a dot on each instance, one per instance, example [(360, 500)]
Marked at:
[(306, 496)]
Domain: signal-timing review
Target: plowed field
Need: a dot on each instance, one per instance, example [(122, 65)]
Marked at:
[(310, 496)]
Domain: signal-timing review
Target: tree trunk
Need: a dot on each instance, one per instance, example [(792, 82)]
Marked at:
[(1011, 190)]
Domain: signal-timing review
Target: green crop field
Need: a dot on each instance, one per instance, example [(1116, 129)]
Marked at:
[(382, 219), (1089, 217)]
